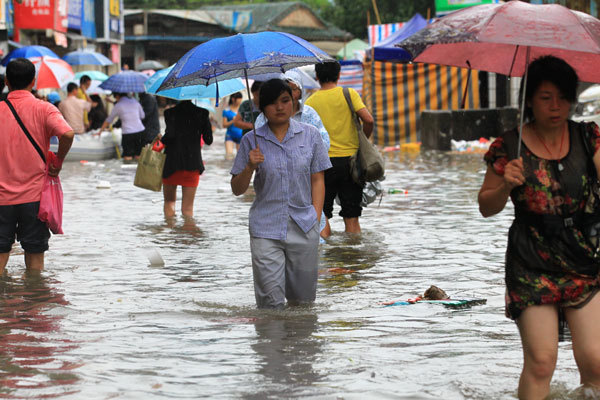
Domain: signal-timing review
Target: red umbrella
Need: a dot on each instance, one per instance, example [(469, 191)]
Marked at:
[(495, 38), (51, 73), (503, 38)]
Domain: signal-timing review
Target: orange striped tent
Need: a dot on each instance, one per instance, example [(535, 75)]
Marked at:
[(396, 93)]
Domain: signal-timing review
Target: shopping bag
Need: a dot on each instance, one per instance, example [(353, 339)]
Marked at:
[(51, 202), (367, 164), (148, 174)]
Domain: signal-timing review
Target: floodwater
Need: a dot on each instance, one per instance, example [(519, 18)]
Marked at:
[(101, 322)]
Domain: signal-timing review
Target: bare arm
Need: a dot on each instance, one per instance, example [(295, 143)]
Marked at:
[(496, 189), (64, 145), (226, 123), (241, 181), (367, 121), (238, 122), (317, 184)]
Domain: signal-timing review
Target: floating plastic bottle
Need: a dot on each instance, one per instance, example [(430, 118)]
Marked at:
[(397, 191)]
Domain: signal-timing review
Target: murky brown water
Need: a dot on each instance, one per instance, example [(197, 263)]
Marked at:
[(101, 323)]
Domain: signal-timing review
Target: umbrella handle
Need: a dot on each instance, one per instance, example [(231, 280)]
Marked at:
[(250, 99), (523, 102)]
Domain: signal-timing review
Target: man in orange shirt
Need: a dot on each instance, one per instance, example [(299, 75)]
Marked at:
[(21, 167)]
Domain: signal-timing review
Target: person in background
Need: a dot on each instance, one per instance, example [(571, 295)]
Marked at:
[(151, 121), (130, 114), (97, 114), (84, 84), (289, 160), (330, 103), (305, 114), (233, 134), (73, 109), (248, 110), (53, 98), (551, 264), (2, 94), (22, 170), (186, 125)]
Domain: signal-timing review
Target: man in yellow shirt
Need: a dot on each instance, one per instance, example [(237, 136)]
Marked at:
[(331, 105), (84, 83)]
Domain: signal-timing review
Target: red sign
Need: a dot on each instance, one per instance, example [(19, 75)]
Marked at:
[(41, 14)]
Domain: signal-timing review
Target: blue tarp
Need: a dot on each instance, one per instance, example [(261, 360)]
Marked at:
[(386, 50)]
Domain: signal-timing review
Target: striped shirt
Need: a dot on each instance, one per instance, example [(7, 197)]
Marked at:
[(283, 181)]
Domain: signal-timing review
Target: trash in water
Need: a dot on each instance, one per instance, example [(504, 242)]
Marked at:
[(103, 185), (154, 257)]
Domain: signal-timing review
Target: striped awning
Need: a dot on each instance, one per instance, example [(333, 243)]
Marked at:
[(396, 93)]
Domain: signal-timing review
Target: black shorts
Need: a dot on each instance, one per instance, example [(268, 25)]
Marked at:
[(21, 220), (338, 182), (132, 143)]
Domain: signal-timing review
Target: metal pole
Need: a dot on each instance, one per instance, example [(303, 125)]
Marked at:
[(251, 107), (523, 102)]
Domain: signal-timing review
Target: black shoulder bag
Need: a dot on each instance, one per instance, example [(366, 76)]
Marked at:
[(24, 128)]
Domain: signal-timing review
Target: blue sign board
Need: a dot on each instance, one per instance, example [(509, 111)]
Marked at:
[(88, 20), (74, 14)]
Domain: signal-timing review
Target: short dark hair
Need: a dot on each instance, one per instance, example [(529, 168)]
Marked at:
[(71, 87), (270, 91), (234, 96), (256, 86), (549, 69), (20, 72), (328, 71), (84, 79)]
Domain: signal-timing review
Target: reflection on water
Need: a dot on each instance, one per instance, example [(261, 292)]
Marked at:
[(189, 328), (286, 349), (29, 352)]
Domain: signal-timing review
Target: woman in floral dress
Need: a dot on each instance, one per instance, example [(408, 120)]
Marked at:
[(552, 266)]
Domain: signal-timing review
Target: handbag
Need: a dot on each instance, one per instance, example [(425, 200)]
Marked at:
[(367, 165), (51, 200), (148, 174)]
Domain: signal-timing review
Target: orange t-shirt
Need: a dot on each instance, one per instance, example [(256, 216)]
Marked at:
[(21, 167)]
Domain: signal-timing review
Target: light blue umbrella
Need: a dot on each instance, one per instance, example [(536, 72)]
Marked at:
[(191, 92), (83, 57), (94, 75), (125, 82), (28, 52)]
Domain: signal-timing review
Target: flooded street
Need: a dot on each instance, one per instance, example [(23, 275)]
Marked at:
[(102, 323)]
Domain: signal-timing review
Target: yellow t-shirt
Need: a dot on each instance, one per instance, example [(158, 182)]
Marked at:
[(331, 106), (81, 95)]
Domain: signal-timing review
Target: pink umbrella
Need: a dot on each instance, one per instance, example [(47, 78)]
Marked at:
[(51, 73), (495, 38), (503, 38)]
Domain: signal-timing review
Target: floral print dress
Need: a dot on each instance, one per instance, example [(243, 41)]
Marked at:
[(548, 258)]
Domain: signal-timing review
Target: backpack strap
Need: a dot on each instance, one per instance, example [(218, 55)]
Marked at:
[(24, 128)]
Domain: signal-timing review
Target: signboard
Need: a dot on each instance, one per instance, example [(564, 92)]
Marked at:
[(75, 13), (88, 20), (110, 26), (3, 11), (41, 14), (443, 7)]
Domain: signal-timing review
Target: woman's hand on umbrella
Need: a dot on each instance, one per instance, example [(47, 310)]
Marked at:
[(255, 157), (514, 174)]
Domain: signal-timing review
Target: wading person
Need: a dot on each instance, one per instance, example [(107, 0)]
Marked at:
[(284, 218), (551, 270), (22, 170), (131, 114), (248, 110), (330, 103), (306, 114), (74, 109), (233, 136), (186, 124)]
